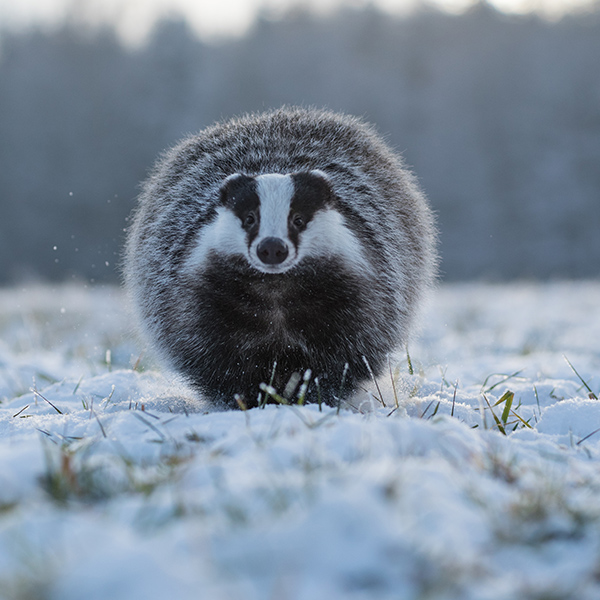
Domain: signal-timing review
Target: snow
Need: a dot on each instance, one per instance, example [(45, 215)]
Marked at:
[(119, 483)]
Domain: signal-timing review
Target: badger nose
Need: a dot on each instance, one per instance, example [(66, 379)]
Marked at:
[(272, 251)]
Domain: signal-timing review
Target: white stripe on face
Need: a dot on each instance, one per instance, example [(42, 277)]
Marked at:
[(275, 193)]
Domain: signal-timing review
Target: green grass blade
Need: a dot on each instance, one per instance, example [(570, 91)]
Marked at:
[(507, 398), (506, 378), (496, 419), (525, 423), (585, 385)]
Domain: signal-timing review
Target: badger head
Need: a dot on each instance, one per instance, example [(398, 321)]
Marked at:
[(275, 221)]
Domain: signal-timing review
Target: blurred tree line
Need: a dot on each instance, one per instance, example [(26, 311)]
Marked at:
[(498, 115)]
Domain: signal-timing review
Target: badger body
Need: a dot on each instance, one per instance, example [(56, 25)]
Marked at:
[(276, 244)]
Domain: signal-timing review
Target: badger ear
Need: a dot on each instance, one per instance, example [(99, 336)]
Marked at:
[(320, 174), (314, 185), (236, 186), (230, 179)]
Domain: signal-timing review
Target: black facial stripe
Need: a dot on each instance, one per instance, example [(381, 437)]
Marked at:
[(240, 195), (311, 194)]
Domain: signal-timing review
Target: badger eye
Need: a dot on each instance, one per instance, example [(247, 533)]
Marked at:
[(249, 220), (298, 221)]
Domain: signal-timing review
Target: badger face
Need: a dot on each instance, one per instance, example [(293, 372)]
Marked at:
[(275, 221)]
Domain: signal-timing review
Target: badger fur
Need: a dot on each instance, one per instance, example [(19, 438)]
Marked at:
[(278, 243)]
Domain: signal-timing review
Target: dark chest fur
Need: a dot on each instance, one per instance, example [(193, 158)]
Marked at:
[(312, 317)]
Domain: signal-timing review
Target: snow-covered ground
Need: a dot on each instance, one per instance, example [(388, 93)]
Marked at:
[(116, 483)]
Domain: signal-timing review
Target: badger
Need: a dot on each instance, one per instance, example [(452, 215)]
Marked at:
[(274, 246)]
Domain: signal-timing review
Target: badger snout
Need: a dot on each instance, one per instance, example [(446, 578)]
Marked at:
[(272, 251)]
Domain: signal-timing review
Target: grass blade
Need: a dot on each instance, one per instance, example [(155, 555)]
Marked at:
[(380, 398), (589, 435), (506, 378), (78, 384), (272, 393), (585, 385), (454, 398), (304, 386), (46, 400), (411, 371), (18, 413), (507, 398), (525, 423), (393, 383), (498, 422)]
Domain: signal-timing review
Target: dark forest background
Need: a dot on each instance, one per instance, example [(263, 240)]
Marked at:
[(498, 115)]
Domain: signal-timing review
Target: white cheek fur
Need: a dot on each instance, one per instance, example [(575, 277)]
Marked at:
[(327, 235), (224, 236)]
